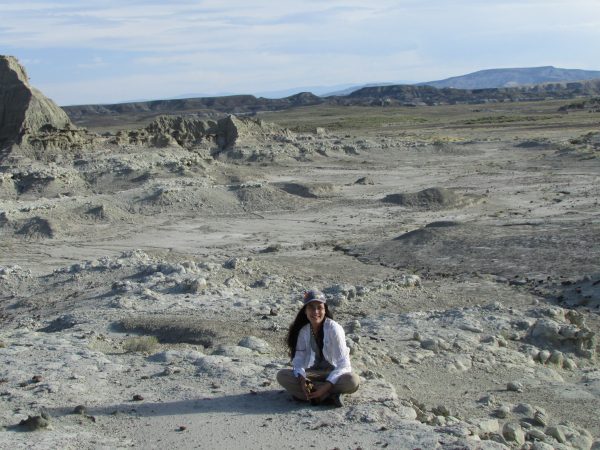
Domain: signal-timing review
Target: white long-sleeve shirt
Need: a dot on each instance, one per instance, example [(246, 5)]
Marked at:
[(335, 350)]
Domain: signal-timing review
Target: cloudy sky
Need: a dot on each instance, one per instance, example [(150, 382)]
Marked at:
[(104, 51)]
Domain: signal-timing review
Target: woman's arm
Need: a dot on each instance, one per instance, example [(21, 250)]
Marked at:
[(337, 352), (302, 352)]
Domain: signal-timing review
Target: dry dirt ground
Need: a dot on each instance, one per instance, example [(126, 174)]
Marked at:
[(459, 247)]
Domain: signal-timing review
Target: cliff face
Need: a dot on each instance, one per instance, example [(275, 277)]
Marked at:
[(23, 109)]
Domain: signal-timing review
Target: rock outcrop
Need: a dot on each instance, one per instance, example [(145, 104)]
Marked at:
[(188, 132), (23, 109)]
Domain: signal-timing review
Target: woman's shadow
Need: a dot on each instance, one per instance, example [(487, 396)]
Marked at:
[(255, 402)]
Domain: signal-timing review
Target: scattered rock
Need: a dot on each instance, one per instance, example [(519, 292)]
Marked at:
[(540, 418), (256, 344), (514, 386), (33, 423), (364, 181), (512, 432), (502, 412)]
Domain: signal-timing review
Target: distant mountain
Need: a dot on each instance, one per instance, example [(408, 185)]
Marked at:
[(411, 95), (355, 87), (498, 78)]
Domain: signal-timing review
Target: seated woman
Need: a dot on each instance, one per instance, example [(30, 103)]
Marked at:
[(320, 358)]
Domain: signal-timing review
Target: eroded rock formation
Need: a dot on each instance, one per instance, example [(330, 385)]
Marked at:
[(24, 109)]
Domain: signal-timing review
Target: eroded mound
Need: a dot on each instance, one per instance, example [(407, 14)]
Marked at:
[(431, 198), (308, 190), (258, 197), (23, 109), (36, 228)]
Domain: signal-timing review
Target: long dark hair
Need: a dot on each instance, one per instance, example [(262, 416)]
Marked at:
[(300, 320)]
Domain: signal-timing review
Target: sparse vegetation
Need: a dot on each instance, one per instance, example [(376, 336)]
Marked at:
[(505, 119), (140, 344)]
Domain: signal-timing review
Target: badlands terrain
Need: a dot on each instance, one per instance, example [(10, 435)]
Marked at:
[(149, 272)]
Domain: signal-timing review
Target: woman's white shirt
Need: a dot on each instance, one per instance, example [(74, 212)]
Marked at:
[(335, 350)]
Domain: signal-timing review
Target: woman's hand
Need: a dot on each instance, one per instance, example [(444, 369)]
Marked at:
[(302, 382), (321, 392)]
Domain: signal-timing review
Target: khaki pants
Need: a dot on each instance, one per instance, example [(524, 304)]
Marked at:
[(346, 384)]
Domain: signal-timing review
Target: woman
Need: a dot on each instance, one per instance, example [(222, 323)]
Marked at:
[(320, 358)]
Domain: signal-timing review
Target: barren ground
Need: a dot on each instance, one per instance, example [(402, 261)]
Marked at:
[(203, 253)]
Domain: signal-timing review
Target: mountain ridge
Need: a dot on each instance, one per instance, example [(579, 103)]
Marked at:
[(513, 77)]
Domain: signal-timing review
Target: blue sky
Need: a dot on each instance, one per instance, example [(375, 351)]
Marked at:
[(105, 51)]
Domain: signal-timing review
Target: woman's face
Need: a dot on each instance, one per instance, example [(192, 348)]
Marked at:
[(315, 311)]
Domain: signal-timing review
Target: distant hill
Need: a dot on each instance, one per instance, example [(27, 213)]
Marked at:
[(498, 78), (233, 104), (355, 87), (394, 95), (411, 95)]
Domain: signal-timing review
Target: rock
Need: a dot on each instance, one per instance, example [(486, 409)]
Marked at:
[(556, 357), (24, 109), (170, 370), (168, 356), (60, 323), (435, 345), (233, 351), (487, 426), (80, 409), (137, 398), (364, 181), (549, 332), (512, 432), (195, 285), (534, 434), (576, 438), (33, 423), (409, 281), (569, 364), (543, 356), (557, 434), (540, 418), (37, 379), (525, 409), (256, 344), (514, 386), (441, 410), (539, 445), (338, 294), (502, 412), (406, 412)]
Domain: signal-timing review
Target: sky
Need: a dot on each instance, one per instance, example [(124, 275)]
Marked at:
[(109, 51)]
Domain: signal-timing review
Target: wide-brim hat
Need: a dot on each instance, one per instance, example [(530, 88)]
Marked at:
[(313, 295)]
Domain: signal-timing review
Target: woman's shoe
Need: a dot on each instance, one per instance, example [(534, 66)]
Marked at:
[(337, 400)]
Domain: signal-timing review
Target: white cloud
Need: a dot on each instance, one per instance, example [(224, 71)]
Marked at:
[(249, 46)]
